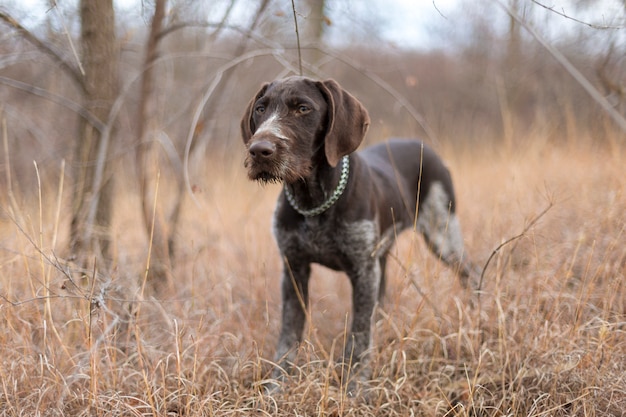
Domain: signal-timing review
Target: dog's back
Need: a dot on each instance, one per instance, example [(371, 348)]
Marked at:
[(339, 208), (400, 169)]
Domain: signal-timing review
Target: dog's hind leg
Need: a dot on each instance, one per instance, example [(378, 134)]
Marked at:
[(442, 232)]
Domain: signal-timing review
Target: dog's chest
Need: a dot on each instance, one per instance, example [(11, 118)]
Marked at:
[(336, 245)]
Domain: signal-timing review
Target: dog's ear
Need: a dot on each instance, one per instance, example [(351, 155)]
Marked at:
[(348, 121), (247, 124)]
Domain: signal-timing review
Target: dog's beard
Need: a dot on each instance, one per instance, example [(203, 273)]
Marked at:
[(272, 172), (268, 172), (267, 178)]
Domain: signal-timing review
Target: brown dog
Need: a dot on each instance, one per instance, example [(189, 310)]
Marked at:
[(341, 208)]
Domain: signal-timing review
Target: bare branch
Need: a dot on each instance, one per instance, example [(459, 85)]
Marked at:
[(47, 49), (591, 25), (69, 104), (205, 98), (223, 20), (295, 22), (246, 32), (389, 89), (512, 239), (439, 11), (69, 40), (569, 67), (159, 266), (529, 226)]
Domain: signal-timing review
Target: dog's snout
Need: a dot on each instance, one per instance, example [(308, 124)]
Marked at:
[(262, 149)]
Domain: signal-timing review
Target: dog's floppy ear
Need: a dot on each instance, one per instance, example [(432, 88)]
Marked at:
[(347, 121), (247, 124)]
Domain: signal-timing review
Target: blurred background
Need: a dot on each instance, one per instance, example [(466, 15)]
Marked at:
[(98, 91), (470, 70)]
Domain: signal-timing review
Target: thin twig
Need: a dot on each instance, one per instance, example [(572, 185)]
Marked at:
[(55, 98), (439, 11), (417, 287), (205, 98), (47, 49), (295, 21), (591, 25), (512, 239), (494, 252), (151, 237), (7, 164), (389, 89), (69, 39), (569, 67), (246, 32)]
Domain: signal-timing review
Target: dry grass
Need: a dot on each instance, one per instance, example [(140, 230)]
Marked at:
[(546, 337)]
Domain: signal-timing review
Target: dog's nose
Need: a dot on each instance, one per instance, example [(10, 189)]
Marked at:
[(262, 149)]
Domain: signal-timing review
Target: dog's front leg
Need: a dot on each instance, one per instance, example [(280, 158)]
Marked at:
[(365, 284), (295, 296)]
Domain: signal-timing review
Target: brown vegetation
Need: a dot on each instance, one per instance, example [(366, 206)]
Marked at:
[(546, 335)]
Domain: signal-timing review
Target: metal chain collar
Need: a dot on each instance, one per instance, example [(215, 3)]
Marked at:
[(343, 181)]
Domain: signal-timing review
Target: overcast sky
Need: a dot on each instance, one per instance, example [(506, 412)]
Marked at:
[(420, 24)]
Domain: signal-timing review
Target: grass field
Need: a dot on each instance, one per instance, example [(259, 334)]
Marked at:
[(546, 336)]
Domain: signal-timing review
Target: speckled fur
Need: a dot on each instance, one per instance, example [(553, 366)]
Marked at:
[(304, 128)]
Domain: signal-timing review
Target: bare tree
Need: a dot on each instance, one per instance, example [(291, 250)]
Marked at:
[(159, 225), (97, 79), (93, 194), (161, 222), (311, 27)]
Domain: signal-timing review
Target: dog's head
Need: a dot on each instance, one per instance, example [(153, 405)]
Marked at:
[(289, 122)]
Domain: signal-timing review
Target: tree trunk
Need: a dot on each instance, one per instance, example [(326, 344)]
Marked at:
[(159, 227), (312, 29), (89, 234)]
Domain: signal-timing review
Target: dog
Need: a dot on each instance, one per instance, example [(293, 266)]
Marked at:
[(340, 208)]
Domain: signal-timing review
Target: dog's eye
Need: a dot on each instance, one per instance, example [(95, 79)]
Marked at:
[(260, 109), (303, 108)]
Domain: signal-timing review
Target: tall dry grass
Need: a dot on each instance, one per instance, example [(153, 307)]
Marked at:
[(547, 336)]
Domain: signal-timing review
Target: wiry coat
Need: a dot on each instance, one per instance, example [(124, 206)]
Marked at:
[(297, 131)]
